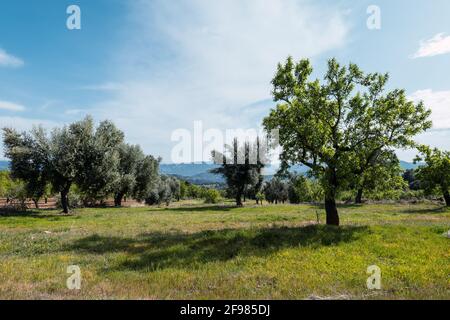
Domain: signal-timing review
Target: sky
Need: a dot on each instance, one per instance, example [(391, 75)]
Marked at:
[(155, 66)]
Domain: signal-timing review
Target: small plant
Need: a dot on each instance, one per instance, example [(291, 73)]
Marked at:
[(211, 196), (260, 198)]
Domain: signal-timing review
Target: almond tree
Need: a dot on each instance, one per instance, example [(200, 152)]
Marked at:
[(334, 125)]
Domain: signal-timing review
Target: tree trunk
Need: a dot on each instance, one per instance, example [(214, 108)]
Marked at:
[(447, 197), (331, 209), (118, 199), (65, 200), (238, 200), (358, 198), (36, 203)]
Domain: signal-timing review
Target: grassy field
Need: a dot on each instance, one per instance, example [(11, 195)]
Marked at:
[(195, 251)]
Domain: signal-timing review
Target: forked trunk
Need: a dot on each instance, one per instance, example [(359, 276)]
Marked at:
[(65, 201)]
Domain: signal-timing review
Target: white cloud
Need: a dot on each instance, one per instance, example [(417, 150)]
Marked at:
[(9, 106), (108, 86), (437, 45), (8, 60), (206, 60), (439, 102)]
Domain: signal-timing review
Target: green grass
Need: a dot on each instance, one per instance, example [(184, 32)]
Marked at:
[(194, 251)]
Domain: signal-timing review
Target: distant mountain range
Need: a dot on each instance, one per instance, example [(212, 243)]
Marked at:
[(4, 165), (198, 173)]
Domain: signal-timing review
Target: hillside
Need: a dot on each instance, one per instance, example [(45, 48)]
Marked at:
[(198, 173)]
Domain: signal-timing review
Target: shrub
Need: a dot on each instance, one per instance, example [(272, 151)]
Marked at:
[(211, 196), (260, 197)]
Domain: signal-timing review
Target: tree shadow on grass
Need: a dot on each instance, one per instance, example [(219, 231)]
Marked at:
[(197, 208), (34, 214), (156, 251), (438, 210)]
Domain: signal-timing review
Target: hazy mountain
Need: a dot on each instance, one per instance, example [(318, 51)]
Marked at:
[(4, 165), (198, 173), (408, 165)]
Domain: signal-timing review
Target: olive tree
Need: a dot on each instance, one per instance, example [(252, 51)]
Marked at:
[(75, 154), (85, 155), (98, 158), (334, 125), (241, 166), (276, 191), (164, 190), (147, 177), (130, 157), (28, 153)]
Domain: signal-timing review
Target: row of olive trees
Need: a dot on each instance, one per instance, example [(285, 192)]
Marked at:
[(95, 159)]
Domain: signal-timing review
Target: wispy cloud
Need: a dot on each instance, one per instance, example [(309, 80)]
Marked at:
[(437, 45), (439, 102), (8, 60), (10, 106), (108, 86), (206, 60)]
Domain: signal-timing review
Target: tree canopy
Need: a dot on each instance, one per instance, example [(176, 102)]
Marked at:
[(241, 166), (95, 159), (337, 126), (435, 173)]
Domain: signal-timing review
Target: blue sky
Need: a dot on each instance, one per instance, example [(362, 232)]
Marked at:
[(156, 66)]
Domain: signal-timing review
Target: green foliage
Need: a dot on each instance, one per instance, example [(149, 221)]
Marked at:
[(137, 173), (276, 190), (147, 177), (260, 197), (93, 158), (5, 183), (164, 191), (29, 160), (241, 167), (435, 174), (211, 196), (302, 189), (338, 126), (382, 176), (16, 194), (97, 157)]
